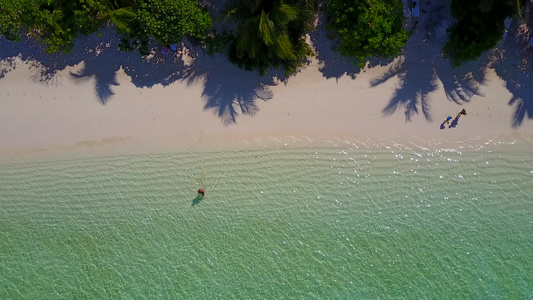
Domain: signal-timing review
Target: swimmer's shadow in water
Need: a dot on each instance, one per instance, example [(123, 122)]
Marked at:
[(197, 200)]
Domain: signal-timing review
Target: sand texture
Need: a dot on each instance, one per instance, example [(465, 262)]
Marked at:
[(99, 94)]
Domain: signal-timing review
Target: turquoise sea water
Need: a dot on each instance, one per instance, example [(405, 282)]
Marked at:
[(332, 220)]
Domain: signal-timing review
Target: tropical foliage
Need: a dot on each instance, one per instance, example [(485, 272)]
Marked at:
[(479, 27), (167, 21), (271, 33), (57, 22), (367, 28), (14, 13)]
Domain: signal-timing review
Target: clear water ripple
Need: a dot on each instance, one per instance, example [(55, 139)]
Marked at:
[(340, 219)]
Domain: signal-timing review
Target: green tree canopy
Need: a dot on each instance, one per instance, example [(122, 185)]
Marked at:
[(13, 15), (55, 23), (271, 33), (167, 21), (479, 27), (367, 27)]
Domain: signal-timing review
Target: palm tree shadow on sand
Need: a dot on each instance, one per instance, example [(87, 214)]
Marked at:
[(103, 73), (512, 62), (331, 63), (421, 66), (228, 91), (43, 67), (92, 50), (107, 60)]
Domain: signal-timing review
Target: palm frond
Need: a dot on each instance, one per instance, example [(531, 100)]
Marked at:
[(266, 29), (121, 17), (289, 13), (283, 48), (248, 39)]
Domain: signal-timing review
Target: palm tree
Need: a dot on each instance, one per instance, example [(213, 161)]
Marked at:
[(121, 17), (479, 26), (486, 5), (121, 12), (271, 32)]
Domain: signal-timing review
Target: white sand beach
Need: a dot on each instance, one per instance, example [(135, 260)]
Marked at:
[(99, 95)]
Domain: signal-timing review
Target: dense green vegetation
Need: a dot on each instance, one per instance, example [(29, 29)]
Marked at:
[(367, 27), (12, 15), (271, 33), (167, 21), (268, 33), (57, 22), (479, 27)]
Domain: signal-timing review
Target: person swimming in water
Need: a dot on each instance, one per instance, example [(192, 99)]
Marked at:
[(201, 192)]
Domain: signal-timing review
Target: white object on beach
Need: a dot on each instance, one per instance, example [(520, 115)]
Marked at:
[(416, 8)]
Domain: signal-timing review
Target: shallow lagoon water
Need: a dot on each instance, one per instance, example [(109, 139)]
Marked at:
[(337, 219)]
